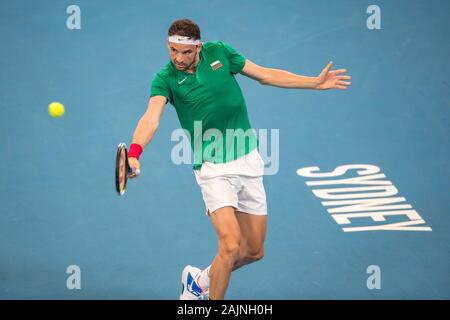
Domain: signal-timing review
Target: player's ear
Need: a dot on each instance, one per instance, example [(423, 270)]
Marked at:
[(199, 47)]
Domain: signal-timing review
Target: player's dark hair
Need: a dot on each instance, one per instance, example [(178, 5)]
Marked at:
[(185, 28)]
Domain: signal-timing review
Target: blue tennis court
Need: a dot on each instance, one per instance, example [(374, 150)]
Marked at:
[(60, 207)]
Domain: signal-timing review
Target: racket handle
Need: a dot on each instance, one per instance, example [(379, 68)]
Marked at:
[(134, 171)]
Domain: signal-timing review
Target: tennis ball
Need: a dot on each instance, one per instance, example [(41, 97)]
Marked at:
[(56, 109)]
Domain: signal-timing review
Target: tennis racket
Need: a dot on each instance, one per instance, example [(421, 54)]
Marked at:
[(122, 168)]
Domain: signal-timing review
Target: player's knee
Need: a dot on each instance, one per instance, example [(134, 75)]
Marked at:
[(229, 248), (255, 254)]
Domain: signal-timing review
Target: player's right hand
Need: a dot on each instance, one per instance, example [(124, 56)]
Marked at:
[(135, 168)]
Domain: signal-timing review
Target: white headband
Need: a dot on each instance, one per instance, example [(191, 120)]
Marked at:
[(183, 40)]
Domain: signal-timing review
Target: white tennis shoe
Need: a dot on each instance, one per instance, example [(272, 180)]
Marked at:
[(190, 290)]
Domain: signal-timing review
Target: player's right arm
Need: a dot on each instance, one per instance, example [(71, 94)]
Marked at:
[(147, 127)]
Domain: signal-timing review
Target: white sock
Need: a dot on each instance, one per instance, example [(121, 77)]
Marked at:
[(203, 279)]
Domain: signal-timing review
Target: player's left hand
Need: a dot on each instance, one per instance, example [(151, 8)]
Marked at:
[(135, 167), (333, 79)]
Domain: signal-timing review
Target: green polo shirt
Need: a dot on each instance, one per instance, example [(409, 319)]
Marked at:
[(210, 105)]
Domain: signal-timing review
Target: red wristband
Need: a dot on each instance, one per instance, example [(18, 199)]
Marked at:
[(135, 151)]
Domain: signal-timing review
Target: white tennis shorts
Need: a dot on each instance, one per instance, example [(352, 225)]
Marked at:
[(237, 184)]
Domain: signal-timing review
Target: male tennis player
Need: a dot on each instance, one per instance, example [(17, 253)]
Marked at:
[(199, 81)]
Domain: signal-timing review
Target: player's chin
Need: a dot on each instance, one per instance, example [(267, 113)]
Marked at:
[(180, 67)]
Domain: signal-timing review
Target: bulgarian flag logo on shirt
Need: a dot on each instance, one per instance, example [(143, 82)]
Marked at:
[(216, 65)]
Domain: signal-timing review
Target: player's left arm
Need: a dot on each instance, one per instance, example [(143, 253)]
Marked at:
[(328, 79)]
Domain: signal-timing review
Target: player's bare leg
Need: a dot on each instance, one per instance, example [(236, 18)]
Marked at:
[(229, 237), (253, 234)]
